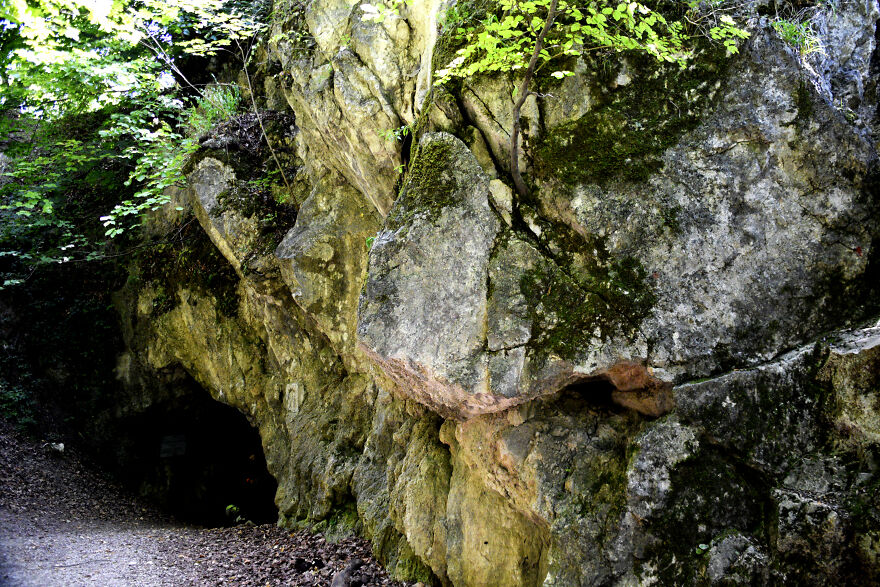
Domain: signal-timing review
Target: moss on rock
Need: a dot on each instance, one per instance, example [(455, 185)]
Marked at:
[(189, 261), (623, 135), (428, 187), (585, 293)]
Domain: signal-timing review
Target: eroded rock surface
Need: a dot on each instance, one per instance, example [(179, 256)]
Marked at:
[(499, 390)]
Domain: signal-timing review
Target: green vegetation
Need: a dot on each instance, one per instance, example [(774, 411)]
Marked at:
[(798, 34), (92, 91), (506, 39), (395, 134), (527, 36), (159, 156), (17, 405)]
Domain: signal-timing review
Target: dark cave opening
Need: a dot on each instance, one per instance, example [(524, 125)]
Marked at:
[(200, 460), (595, 392)]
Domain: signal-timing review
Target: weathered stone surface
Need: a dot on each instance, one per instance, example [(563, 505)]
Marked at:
[(482, 335), (231, 233), (401, 483), (422, 316), (737, 560), (846, 68), (490, 543), (351, 80), (852, 371), (763, 254), (323, 261), (701, 476), (559, 463), (812, 536), (777, 411), (550, 331), (755, 235), (766, 413)]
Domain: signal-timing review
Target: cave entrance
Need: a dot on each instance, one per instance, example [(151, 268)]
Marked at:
[(200, 460), (596, 392)]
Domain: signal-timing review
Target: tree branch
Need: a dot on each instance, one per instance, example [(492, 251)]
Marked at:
[(524, 93), (244, 59)]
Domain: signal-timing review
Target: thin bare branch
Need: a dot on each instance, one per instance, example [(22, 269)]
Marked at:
[(524, 93)]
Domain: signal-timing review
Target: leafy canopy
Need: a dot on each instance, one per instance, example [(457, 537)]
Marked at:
[(505, 39), (67, 56), (118, 58)]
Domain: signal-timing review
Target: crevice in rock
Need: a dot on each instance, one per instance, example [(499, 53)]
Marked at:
[(624, 386), (197, 458), (406, 152), (596, 391)]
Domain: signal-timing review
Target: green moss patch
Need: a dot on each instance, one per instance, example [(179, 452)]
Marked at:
[(260, 190), (429, 186), (585, 291), (189, 261), (623, 136)]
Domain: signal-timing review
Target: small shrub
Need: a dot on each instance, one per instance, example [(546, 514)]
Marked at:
[(17, 406), (217, 103), (799, 35)]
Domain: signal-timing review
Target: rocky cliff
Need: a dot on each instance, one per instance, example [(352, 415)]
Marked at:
[(662, 367)]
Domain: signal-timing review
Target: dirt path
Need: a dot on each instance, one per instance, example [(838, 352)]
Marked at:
[(62, 523), (39, 552)]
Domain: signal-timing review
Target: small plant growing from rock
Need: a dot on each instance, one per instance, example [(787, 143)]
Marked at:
[(528, 36), (395, 134), (799, 35)]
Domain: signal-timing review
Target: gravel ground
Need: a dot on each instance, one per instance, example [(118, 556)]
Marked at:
[(62, 523)]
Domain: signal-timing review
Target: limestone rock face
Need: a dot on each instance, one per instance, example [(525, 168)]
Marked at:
[(758, 223), (229, 232), (350, 80), (659, 368), (853, 372), (323, 260), (422, 316), (771, 223), (690, 498), (457, 311)]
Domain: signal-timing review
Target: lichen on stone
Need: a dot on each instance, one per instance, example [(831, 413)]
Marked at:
[(630, 125)]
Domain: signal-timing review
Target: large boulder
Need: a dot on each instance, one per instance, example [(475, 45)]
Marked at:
[(323, 261), (751, 234), (423, 311)]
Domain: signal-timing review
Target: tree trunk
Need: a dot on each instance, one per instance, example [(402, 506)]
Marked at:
[(524, 93)]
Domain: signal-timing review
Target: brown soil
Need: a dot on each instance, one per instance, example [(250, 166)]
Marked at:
[(63, 523)]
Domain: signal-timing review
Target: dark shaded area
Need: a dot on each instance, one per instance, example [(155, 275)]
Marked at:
[(593, 392), (56, 507), (60, 338), (185, 257), (711, 495), (198, 459), (406, 149)]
